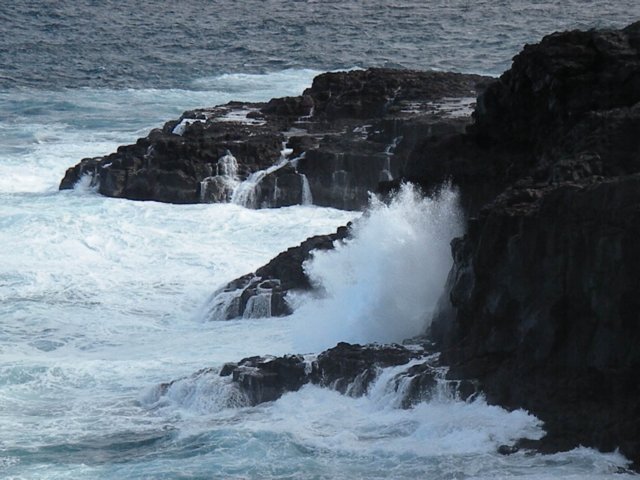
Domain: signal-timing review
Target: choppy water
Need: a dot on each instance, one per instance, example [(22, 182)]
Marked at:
[(170, 44), (102, 299)]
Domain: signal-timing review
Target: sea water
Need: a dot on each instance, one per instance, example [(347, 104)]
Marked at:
[(102, 299)]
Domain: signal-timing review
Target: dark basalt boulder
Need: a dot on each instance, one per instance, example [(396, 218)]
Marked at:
[(264, 379), (262, 293), (351, 368)]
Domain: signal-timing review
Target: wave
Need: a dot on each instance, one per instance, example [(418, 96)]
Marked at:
[(381, 285), (256, 85)]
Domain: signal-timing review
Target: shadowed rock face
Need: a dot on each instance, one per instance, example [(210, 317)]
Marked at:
[(559, 83), (542, 304), (566, 110), (271, 282), (347, 133), (545, 309)]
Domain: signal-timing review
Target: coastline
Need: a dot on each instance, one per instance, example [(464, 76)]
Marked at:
[(542, 317)]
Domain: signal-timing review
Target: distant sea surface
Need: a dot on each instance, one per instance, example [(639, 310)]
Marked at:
[(103, 299), (170, 44)]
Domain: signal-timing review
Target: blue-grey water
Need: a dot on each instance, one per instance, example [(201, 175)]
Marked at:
[(169, 44), (103, 299)]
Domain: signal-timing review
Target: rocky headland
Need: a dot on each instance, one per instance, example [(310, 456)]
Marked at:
[(542, 305), (344, 136), (542, 301)]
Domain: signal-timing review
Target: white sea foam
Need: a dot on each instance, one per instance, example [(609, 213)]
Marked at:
[(381, 285), (245, 193), (307, 196), (256, 87), (86, 184), (181, 127)]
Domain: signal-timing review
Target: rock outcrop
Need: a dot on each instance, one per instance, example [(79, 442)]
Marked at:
[(263, 293), (346, 368), (566, 110), (542, 305), (342, 138)]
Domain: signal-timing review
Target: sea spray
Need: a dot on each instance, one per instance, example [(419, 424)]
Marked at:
[(87, 183), (382, 284)]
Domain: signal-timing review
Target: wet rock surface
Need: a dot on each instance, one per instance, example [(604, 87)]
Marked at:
[(542, 301), (344, 136), (348, 368), (264, 379), (263, 293)]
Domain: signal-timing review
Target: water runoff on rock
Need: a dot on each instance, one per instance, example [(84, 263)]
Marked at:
[(225, 185), (220, 187)]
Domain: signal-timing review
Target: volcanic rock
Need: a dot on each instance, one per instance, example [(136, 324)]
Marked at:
[(262, 293), (347, 134), (542, 300), (349, 369)]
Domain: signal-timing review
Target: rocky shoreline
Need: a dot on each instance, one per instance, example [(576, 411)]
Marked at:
[(541, 308), (344, 136)]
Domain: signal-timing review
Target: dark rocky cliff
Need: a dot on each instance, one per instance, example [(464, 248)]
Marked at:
[(542, 303), (545, 310)]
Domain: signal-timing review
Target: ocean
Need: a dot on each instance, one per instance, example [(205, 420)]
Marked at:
[(103, 299)]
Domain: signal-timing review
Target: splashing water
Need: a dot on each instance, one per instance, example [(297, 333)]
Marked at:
[(381, 285), (307, 196), (219, 188), (246, 193)]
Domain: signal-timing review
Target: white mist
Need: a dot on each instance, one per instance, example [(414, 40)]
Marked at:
[(383, 283)]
